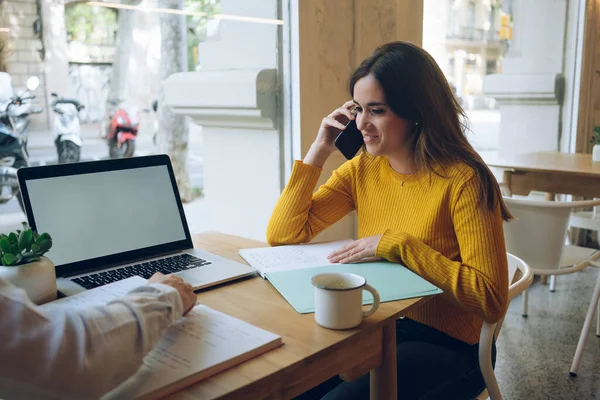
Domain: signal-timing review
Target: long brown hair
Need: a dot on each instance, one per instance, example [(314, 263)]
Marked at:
[(416, 89)]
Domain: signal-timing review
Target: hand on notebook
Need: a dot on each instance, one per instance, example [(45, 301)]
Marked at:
[(361, 250), (188, 297)]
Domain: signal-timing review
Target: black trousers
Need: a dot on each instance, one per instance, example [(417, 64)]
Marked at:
[(431, 365)]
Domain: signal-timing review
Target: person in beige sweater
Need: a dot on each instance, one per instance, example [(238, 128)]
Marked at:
[(59, 352)]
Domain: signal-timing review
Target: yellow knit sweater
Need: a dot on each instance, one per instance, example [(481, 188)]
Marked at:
[(433, 225)]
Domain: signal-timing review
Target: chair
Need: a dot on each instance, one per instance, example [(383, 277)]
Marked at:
[(588, 220), (538, 235), (521, 277), (586, 326)]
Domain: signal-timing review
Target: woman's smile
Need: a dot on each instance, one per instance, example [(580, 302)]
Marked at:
[(370, 138)]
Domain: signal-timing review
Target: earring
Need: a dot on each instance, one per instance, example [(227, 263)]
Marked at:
[(415, 128)]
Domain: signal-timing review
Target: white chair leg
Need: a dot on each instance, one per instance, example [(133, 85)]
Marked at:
[(586, 329), (552, 283), (525, 301)]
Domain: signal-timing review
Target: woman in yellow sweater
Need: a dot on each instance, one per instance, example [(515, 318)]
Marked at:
[(424, 199)]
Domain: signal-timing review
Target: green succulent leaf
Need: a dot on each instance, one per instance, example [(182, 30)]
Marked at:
[(595, 135), (23, 247), (45, 245), (4, 244), (25, 240), (45, 236), (45, 242), (9, 259)]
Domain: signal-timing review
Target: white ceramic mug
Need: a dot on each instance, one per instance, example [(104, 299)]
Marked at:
[(338, 300)]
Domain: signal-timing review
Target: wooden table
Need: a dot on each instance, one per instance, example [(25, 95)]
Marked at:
[(550, 172), (310, 354)]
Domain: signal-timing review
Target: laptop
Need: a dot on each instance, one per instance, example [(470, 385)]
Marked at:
[(113, 219)]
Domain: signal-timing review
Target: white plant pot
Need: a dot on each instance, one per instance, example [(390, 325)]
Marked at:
[(38, 279), (596, 153)]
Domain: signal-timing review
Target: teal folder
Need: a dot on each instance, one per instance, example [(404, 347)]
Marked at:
[(392, 282)]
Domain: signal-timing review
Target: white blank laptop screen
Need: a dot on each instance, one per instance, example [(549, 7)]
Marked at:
[(104, 213)]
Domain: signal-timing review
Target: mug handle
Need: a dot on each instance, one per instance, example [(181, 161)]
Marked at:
[(375, 305)]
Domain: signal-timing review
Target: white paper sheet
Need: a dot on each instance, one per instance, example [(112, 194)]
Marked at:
[(281, 258)]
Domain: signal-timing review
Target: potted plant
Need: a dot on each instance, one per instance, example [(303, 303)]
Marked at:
[(23, 264), (596, 141)]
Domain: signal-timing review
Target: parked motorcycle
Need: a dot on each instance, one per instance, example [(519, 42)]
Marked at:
[(122, 129), (14, 119), (67, 130)]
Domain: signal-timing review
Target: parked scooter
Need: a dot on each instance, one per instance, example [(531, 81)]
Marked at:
[(155, 122), (67, 130), (122, 129), (15, 110), (14, 119)]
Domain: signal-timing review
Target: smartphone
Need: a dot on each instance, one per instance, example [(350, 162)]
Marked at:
[(350, 140)]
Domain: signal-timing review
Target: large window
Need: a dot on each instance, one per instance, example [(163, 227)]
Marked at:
[(112, 59), (464, 38)]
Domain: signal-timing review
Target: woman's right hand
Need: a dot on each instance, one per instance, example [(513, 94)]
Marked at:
[(330, 128), (332, 125)]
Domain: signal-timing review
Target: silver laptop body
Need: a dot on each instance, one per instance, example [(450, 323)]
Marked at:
[(111, 218)]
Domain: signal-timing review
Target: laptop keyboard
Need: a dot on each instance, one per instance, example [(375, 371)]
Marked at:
[(168, 265)]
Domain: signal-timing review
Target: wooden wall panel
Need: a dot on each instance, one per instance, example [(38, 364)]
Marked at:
[(335, 36), (589, 94)]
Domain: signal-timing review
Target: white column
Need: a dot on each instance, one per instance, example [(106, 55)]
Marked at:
[(234, 98), (537, 69), (56, 63)]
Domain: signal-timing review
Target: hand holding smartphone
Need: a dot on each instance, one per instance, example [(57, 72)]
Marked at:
[(350, 140)]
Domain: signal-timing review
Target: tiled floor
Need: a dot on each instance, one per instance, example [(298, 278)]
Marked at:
[(535, 354)]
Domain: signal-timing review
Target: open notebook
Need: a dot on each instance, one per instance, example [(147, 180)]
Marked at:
[(203, 343), (285, 258), (290, 269)]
